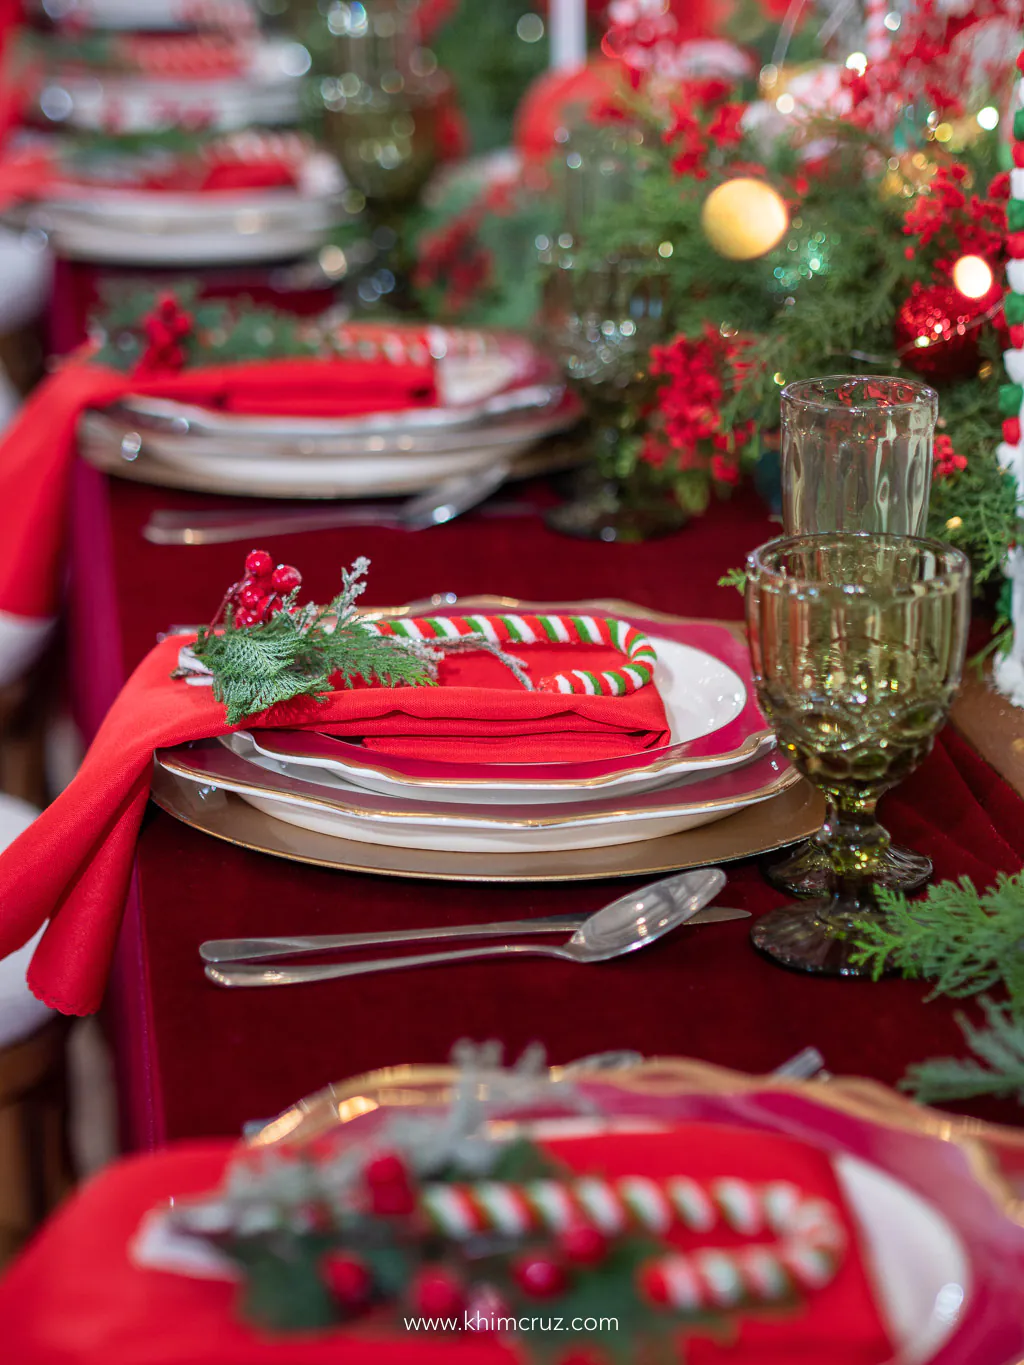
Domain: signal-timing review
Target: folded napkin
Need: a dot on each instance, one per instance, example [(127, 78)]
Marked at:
[(24, 175), (839, 1324), (73, 864), (78, 1297), (36, 450)]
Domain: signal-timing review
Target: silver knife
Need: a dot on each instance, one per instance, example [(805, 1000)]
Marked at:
[(260, 949)]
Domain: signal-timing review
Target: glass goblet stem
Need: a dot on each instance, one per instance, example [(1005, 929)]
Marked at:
[(856, 843)]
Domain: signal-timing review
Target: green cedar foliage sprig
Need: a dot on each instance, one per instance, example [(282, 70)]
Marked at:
[(307, 652), (999, 1072), (966, 943)]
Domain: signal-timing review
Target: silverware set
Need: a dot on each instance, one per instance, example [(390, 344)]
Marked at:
[(439, 504), (627, 924)]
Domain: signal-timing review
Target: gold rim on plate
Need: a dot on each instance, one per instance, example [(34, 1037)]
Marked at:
[(785, 819), (423, 1085), (188, 763)]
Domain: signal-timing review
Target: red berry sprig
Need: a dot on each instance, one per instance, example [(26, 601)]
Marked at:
[(165, 328), (260, 592)]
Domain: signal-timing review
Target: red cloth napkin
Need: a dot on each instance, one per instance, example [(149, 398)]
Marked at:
[(36, 450), (76, 1297), (840, 1324), (73, 863), (23, 175)]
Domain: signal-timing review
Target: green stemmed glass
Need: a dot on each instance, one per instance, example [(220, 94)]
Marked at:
[(857, 643), (856, 456)]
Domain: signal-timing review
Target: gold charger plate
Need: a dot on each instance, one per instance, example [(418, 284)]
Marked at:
[(785, 819), (424, 1085)]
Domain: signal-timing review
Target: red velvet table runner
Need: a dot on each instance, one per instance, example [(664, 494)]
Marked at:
[(216, 1058)]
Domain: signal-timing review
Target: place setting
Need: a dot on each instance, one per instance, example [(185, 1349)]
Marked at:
[(568, 741), (588, 931)]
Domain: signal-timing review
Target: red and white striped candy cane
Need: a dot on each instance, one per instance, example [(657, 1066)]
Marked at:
[(513, 629), (809, 1238)]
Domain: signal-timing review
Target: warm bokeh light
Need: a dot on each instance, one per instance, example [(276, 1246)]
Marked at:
[(973, 277), (744, 218)]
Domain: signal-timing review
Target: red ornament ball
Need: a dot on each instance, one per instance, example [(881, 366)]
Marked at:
[(348, 1278), (937, 331), (258, 564), (539, 1277), (244, 618), (249, 596), (583, 1245), (438, 1294), (285, 578)]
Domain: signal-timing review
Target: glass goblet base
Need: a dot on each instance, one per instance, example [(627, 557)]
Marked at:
[(612, 510), (805, 871), (809, 938)]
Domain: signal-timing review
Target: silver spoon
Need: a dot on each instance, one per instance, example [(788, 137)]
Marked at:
[(631, 922), (222, 950)]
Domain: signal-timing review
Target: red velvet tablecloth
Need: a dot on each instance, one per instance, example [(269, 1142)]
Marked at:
[(199, 1061)]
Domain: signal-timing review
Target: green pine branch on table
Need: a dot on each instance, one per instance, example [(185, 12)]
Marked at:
[(966, 943), (963, 941), (999, 1072)]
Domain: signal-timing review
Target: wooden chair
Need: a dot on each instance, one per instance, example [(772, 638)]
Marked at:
[(35, 1163)]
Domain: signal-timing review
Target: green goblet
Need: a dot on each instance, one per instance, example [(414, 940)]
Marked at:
[(856, 456), (857, 643)]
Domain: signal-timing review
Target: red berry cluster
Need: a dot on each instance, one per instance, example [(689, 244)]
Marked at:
[(261, 592), (166, 328), (439, 1291)]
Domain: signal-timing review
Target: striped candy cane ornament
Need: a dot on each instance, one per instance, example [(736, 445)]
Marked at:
[(513, 630), (806, 1252), (1008, 669)]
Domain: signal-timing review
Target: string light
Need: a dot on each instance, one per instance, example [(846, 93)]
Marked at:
[(988, 118), (973, 277), (744, 218)]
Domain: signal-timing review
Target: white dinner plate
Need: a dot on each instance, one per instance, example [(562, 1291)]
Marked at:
[(701, 695), (917, 1262), (266, 93), (290, 474), (156, 15), (704, 678), (156, 227), (365, 817)]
